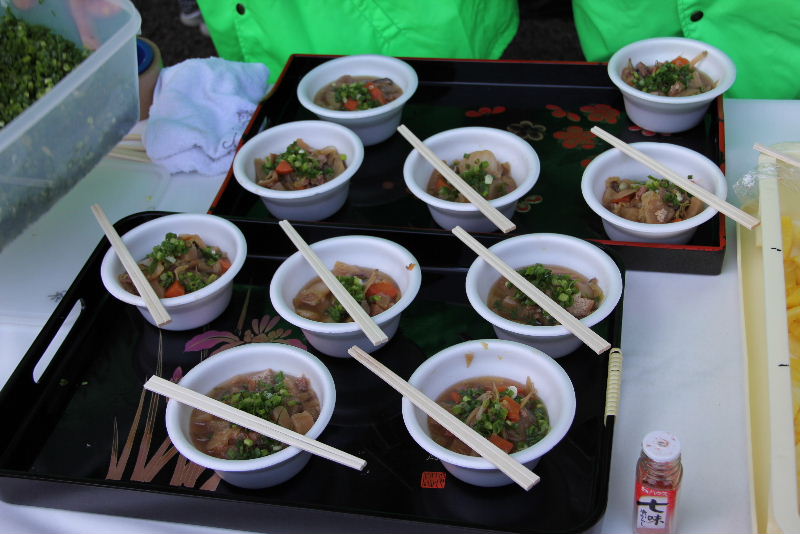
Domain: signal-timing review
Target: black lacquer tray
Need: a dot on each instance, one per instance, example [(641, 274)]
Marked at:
[(551, 104), (87, 437)]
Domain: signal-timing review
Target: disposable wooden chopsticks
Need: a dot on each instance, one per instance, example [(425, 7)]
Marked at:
[(777, 155), (743, 218), (569, 321), (224, 411), (508, 465), (151, 300), (129, 154), (361, 317), (131, 149), (491, 213)]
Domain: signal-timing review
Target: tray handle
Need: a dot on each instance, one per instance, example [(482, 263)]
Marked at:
[(614, 383), (31, 383)]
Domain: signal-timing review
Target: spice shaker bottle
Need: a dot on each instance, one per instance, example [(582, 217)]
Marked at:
[(658, 478)]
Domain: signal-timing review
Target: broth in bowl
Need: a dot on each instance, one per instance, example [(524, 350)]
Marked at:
[(575, 292), (481, 170), (508, 414), (373, 289), (277, 397), (299, 167), (678, 77), (650, 201), (180, 264), (356, 93)]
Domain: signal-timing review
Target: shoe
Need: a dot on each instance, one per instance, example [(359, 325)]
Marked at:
[(195, 18)]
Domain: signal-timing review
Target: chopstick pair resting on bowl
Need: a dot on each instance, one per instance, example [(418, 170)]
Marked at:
[(743, 218)]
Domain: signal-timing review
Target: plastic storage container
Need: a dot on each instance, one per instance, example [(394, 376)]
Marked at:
[(46, 149), (772, 353)]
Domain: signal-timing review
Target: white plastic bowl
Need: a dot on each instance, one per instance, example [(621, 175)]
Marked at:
[(451, 145), (315, 203), (372, 125), (334, 339), (667, 114), (683, 161), (547, 249), (269, 470), (492, 357), (193, 309)]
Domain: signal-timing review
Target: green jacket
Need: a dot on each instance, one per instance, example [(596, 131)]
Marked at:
[(269, 31), (762, 37)]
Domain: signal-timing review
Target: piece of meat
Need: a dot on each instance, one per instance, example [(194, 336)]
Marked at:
[(695, 206), (314, 294), (303, 422), (494, 167), (655, 210), (581, 307), (281, 416), (345, 269)]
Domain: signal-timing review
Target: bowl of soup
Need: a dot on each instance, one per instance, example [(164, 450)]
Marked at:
[(667, 83), (639, 205), (283, 384), (500, 166), (301, 170), (190, 260), (514, 395), (382, 276), (575, 273), (364, 92)]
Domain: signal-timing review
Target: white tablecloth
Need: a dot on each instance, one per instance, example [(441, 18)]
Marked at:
[(684, 367)]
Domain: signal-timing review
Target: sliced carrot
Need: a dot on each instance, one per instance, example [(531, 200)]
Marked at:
[(513, 408), (383, 288), (224, 264), (680, 61), (623, 199), (455, 396), (376, 93), (175, 290), (351, 105), (501, 443), (284, 167)]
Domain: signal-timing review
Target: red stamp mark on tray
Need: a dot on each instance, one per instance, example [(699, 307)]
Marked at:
[(433, 479)]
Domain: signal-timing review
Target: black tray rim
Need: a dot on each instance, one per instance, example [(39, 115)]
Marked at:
[(48, 490)]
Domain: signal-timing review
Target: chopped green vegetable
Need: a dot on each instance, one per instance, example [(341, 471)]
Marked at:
[(212, 256), (494, 417), (666, 75), (476, 176), (260, 401), (670, 193), (166, 279), (356, 91), (562, 288), (301, 162), (169, 250), (33, 61), (355, 286), (192, 281)]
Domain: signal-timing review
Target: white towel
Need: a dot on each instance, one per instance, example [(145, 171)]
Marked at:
[(200, 110)]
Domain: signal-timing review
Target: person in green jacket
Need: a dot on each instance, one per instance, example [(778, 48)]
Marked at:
[(762, 38), (269, 31)]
